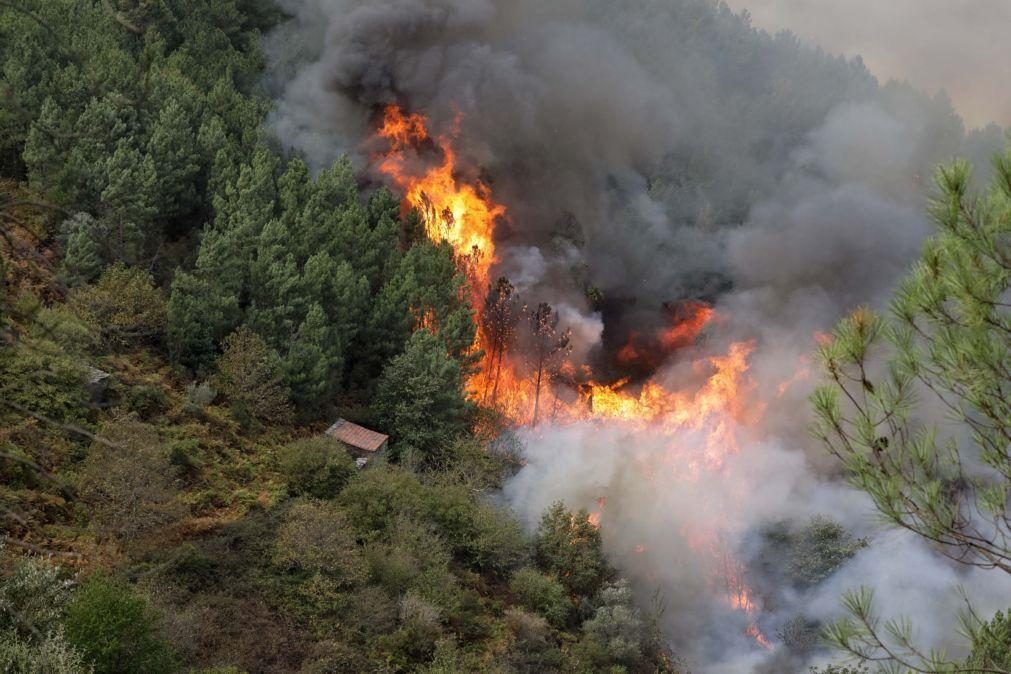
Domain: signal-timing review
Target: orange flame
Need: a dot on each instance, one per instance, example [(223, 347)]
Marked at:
[(458, 212), (463, 212)]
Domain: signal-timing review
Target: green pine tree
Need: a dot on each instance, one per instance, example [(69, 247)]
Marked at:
[(948, 337), (419, 398)]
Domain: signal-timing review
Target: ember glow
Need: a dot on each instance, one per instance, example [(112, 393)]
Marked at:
[(550, 389)]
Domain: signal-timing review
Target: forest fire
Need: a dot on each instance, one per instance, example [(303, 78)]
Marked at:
[(527, 372), (529, 377), (461, 213)]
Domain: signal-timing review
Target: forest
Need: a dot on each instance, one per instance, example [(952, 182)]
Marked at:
[(196, 283)]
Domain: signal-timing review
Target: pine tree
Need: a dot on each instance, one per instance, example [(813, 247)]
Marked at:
[(278, 305), (343, 294), (83, 256), (129, 200), (173, 151), (200, 314), (569, 546), (419, 398), (949, 337), (314, 366), (547, 348), (498, 321)]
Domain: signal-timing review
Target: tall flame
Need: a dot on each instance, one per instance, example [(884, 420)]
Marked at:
[(458, 212), (465, 214)]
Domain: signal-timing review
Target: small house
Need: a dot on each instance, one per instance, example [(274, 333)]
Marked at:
[(363, 444)]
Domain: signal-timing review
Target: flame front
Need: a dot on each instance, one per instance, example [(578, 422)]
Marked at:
[(464, 213), (461, 213)]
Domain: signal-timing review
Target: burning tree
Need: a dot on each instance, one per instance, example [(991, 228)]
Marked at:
[(498, 322), (548, 349)]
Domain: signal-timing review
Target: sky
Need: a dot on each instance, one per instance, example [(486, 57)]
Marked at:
[(961, 46)]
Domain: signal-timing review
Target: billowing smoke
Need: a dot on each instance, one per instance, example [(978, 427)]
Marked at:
[(662, 151)]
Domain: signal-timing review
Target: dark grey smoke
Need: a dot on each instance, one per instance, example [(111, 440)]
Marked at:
[(660, 150)]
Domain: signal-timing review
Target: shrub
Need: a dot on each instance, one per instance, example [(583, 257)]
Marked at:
[(331, 656), (569, 546), (376, 498), (198, 397), (250, 376), (315, 537), (129, 481), (414, 642), (318, 467), (818, 549), (116, 629), (617, 622), (125, 307), (145, 401), (615, 634), (499, 543), (49, 654), (414, 558), (41, 378), (370, 611), (185, 454), (800, 635), (533, 649), (33, 598), (542, 595)]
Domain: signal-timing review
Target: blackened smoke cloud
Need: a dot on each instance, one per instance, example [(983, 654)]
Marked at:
[(661, 151)]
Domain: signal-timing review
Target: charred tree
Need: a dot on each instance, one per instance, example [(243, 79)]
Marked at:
[(498, 321), (548, 350)]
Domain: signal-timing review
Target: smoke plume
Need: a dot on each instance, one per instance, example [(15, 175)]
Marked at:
[(662, 151)]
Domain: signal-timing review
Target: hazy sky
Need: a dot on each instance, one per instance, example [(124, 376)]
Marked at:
[(962, 46)]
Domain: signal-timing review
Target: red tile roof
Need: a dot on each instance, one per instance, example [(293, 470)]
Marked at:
[(357, 436)]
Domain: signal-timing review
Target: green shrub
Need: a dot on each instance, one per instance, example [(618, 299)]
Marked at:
[(534, 648), (414, 642), (116, 629), (124, 306), (542, 595), (377, 498), (819, 549), (616, 634), (198, 397), (316, 538), (41, 378), (145, 401), (251, 377), (192, 567), (48, 654), (185, 454), (569, 546), (33, 598), (414, 558), (318, 467), (991, 645), (499, 543)]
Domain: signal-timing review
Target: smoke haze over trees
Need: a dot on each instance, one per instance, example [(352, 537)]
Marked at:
[(933, 44), (204, 266)]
